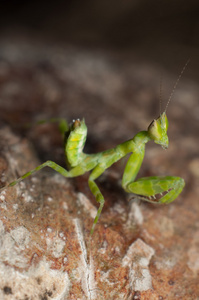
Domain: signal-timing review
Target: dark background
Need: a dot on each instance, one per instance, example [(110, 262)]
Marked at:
[(102, 60), (164, 32)]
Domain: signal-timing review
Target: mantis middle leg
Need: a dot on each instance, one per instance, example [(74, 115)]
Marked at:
[(97, 171)]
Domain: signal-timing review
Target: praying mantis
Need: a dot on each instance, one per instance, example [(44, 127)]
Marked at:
[(147, 188)]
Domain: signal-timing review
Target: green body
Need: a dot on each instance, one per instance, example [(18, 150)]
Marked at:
[(80, 163)]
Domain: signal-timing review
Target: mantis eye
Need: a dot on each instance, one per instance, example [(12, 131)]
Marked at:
[(152, 124), (154, 130), (166, 123)]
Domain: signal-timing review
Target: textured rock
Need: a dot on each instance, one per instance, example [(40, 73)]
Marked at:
[(138, 250)]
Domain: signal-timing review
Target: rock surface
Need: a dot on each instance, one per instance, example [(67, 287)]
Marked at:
[(138, 250)]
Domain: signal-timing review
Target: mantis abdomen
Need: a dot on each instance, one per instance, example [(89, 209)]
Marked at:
[(75, 142)]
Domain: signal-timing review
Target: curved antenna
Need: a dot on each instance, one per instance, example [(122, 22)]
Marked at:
[(160, 93), (175, 85)]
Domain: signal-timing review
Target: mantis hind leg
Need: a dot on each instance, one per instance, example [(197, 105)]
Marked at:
[(78, 170), (62, 123), (97, 171), (151, 186)]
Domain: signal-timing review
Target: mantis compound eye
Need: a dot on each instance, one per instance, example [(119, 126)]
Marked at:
[(151, 124), (153, 130)]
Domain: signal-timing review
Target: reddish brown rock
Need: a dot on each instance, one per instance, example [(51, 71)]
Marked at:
[(138, 250)]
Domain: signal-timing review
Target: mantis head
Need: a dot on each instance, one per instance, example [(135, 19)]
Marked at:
[(157, 131)]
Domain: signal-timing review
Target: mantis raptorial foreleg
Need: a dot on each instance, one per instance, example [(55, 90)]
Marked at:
[(132, 167), (152, 186), (149, 186)]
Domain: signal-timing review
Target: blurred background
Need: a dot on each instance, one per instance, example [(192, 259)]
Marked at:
[(164, 32), (101, 60)]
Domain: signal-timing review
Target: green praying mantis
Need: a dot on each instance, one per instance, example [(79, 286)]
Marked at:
[(147, 188)]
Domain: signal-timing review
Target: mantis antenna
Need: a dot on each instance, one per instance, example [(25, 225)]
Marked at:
[(175, 85), (160, 93)]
